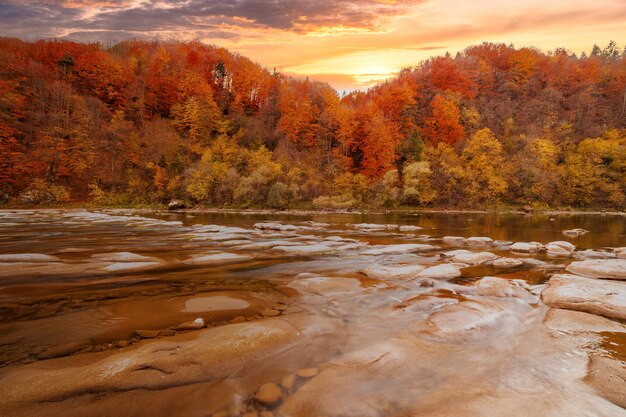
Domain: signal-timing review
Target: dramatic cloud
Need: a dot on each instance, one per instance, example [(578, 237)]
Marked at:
[(350, 43)]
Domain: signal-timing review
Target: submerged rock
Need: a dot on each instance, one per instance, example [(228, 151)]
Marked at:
[(474, 258), (479, 241), (443, 271), (454, 240), (599, 268), (326, 285), (507, 263), (575, 232), (527, 247), (397, 249), (594, 296), (409, 228)]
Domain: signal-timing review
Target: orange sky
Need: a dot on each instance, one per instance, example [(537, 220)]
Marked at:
[(349, 43)]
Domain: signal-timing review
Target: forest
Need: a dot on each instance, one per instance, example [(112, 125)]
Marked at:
[(146, 122)]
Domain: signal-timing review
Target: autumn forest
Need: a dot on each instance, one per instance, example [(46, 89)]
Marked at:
[(147, 122)]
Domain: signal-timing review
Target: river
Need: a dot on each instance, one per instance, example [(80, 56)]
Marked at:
[(122, 312)]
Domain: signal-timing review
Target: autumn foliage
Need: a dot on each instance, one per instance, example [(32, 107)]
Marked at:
[(144, 122)]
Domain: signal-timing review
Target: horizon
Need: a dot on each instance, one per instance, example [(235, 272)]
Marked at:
[(351, 45)]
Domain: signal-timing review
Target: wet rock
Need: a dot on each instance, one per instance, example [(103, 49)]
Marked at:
[(397, 249), (266, 414), (560, 247), (454, 240), (474, 258), (27, 257), (599, 268), (122, 343), (192, 325), (313, 249), (288, 381), (371, 227), (275, 226), (595, 254), (620, 252), (62, 350), (238, 319), (507, 263), (443, 271), (176, 205), (270, 313), (122, 257), (269, 394), (326, 285), (464, 316), (409, 228), (608, 377), (147, 334), (128, 266), (479, 241), (569, 321), (307, 372), (500, 287), (217, 259), (575, 232), (606, 298), (526, 247), (250, 414), (391, 271), (214, 302)]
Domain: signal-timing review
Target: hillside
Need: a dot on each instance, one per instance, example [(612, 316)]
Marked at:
[(145, 122)]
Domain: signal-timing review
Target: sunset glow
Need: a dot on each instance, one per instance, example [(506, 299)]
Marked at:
[(351, 44)]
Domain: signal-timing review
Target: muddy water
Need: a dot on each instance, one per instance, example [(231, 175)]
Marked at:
[(195, 314)]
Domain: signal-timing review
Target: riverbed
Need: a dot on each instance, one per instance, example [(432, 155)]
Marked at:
[(119, 312)]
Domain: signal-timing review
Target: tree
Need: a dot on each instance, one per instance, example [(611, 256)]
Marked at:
[(445, 123)]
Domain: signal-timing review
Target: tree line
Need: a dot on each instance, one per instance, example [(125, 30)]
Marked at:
[(145, 122)]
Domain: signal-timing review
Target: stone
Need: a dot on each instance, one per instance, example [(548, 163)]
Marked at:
[(575, 232), (560, 247), (238, 319), (620, 252), (526, 247), (267, 414), (443, 271), (250, 414), (122, 257), (192, 325), (217, 259), (507, 263), (307, 372), (127, 266), (269, 394), (569, 321), (313, 249), (326, 285), (454, 240), (474, 258), (270, 313), (409, 228), (176, 205), (599, 268), (605, 298), (392, 271), (595, 254), (479, 241), (501, 287), (61, 350), (147, 334), (608, 377), (397, 249), (27, 257), (288, 381)]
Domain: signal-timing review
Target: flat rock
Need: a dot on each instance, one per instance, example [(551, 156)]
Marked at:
[(605, 298), (326, 285), (443, 271), (27, 257), (578, 322), (560, 247), (479, 241), (526, 247), (409, 228), (121, 257), (575, 232), (313, 249), (397, 249), (454, 240), (608, 377), (599, 268), (192, 325), (269, 394), (620, 252), (127, 266), (392, 271), (507, 263), (218, 258), (474, 258), (501, 287)]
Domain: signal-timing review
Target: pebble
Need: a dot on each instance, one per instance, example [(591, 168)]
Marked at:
[(268, 394), (307, 372), (148, 334), (288, 381)]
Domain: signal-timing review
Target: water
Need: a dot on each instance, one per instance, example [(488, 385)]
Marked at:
[(105, 323)]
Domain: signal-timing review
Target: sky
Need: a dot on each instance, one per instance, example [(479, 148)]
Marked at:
[(352, 44)]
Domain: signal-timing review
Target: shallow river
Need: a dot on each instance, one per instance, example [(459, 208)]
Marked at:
[(106, 313)]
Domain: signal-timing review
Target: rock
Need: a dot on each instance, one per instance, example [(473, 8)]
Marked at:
[(620, 252), (27, 257), (575, 232), (127, 266), (122, 343), (608, 377), (313, 249), (464, 316), (269, 394), (176, 205), (275, 226), (238, 319), (122, 257), (371, 227), (560, 247), (409, 228), (595, 254), (147, 334), (61, 350), (479, 241), (288, 381), (443, 271), (192, 325), (250, 414), (605, 298), (578, 322), (385, 271), (307, 372), (326, 285), (474, 258), (266, 414), (507, 263), (500, 287), (397, 249), (217, 259), (599, 268), (270, 313), (526, 247), (454, 240)]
